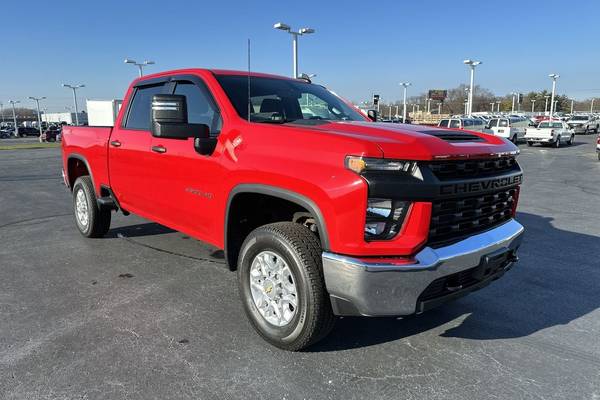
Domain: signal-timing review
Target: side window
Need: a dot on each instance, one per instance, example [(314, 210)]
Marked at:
[(468, 122), (139, 111), (443, 123), (199, 107), (455, 123)]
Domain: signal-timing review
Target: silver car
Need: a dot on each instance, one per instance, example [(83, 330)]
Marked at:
[(578, 123)]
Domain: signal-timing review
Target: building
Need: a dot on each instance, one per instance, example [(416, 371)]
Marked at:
[(67, 117)]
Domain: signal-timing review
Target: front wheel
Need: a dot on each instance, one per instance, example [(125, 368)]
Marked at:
[(529, 144), (282, 287), (91, 221), (570, 141)]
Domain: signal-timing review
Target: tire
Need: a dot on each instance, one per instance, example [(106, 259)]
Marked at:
[(91, 221), (557, 143), (529, 144), (570, 141), (515, 140), (294, 246)]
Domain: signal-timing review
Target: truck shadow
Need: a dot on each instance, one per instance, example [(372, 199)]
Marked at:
[(138, 230), (555, 282)]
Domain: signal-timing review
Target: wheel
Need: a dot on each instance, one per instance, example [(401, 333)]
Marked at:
[(281, 285), (529, 144), (514, 139), (91, 221), (596, 130), (557, 143), (571, 138)]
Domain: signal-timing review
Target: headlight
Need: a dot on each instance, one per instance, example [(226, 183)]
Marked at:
[(384, 218), (364, 164)]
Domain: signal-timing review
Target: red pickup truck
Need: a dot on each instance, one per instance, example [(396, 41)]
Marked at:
[(321, 211)]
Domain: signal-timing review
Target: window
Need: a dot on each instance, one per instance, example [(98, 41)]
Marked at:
[(503, 123), (199, 106), (285, 100), (139, 111), (493, 123), (455, 123), (443, 123), (468, 122)]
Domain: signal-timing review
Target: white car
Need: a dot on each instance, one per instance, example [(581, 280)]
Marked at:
[(578, 123), (550, 132), (592, 125), (512, 129)]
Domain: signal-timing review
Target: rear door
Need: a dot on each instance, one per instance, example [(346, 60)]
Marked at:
[(129, 153), (186, 182)]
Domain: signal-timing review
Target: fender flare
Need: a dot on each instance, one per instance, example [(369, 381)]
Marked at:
[(284, 194), (81, 158)]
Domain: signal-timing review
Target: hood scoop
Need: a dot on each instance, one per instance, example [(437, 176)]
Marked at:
[(452, 136)]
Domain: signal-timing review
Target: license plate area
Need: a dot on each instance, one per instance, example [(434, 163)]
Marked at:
[(491, 263)]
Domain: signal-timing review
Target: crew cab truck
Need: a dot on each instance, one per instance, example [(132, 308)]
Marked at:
[(323, 213), (553, 133)]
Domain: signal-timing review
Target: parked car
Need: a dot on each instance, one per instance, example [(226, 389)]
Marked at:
[(27, 131), (578, 123), (592, 125), (51, 134), (470, 124), (320, 217), (512, 129), (553, 132), (598, 147)]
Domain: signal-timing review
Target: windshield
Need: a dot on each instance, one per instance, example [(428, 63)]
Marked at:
[(284, 100), (579, 118), (550, 125)]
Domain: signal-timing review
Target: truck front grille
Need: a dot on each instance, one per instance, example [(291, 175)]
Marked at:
[(461, 169), (457, 218)]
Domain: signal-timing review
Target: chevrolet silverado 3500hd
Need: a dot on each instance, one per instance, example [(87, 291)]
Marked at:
[(321, 211)]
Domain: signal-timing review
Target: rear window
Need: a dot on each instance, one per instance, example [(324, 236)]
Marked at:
[(503, 123), (444, 123), (139, 111), (550, 125)]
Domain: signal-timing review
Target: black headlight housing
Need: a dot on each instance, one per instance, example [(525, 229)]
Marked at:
[(384, 218)]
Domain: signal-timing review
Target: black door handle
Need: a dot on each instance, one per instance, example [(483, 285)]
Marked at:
[(159, 149), (115, 143)]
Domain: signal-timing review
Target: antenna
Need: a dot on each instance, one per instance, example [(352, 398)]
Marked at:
[(249, 99)]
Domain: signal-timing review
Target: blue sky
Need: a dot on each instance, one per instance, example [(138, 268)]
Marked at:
[(358, 49)]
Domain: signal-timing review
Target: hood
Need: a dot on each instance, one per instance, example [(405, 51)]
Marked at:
[(419, 142)]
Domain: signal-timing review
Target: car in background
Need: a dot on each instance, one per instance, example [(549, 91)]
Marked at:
[(52, 134), (592, 125), (553, 132), (27, 131), (512, 129), (578, 123), (469, 124), (598, 147), (5, 133)]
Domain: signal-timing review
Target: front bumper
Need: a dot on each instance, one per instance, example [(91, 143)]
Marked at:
[(578, 128), (372, 288)]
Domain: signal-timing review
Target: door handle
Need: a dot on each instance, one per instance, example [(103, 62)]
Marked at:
[(115, 143), (159, 149)]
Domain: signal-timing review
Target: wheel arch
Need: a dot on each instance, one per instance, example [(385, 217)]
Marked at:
[(74, 169), (231, 252)]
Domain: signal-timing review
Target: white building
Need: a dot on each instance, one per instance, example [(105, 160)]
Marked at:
[(67, 117)]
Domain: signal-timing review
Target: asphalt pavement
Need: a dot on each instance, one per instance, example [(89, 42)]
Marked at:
[(149, 313)]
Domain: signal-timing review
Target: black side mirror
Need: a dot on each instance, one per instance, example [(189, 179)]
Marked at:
[(372, 115), (169, 121)]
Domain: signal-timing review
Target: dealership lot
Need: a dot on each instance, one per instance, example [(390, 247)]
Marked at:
[(151, 313)]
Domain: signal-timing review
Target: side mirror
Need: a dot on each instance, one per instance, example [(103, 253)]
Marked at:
[(169, 121), (372, 115)]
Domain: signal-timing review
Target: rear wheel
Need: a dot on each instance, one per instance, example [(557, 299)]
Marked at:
[(529, 144), (571, 138), (557, 143), (90, 219), (282, 287)]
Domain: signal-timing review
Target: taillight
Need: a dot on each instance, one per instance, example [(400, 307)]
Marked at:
[(552, 131)]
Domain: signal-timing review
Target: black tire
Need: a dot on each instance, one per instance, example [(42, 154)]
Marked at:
[(529, 144), (570, 141), (515, 140), (98, 220), (557, 143), (301, 250)]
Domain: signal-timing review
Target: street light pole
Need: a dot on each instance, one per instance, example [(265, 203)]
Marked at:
[(498, 104), (428, 106), (492, 104), (74, 88), (37, 102), (592, 106), (139, 65), (554, 77), (405, 85), (512, 110), (533, 105), (472, 64), (304, 31), (572, 102), (12, 102), (546, 105), (2, 112)]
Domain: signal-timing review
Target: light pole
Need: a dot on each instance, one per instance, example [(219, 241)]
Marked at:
[(2, 112), (572, 103), (405, 85), (592, 106), (37, 102), (13, 102), (498, 104), (467, 91), (472, 64), (546, 105), (466, 106), (533, 105), (139, 65), (554, 77), (492, 104), (512, 110), (428, 105), (304, 31), (74, 88)]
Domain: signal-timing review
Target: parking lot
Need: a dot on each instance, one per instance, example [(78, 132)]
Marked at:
[(148, 313)]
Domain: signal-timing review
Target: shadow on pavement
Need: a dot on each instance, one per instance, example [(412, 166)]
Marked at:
[(146, 229), (555, 282)]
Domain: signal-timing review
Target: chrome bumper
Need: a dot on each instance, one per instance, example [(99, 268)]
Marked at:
[(371, 288)]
